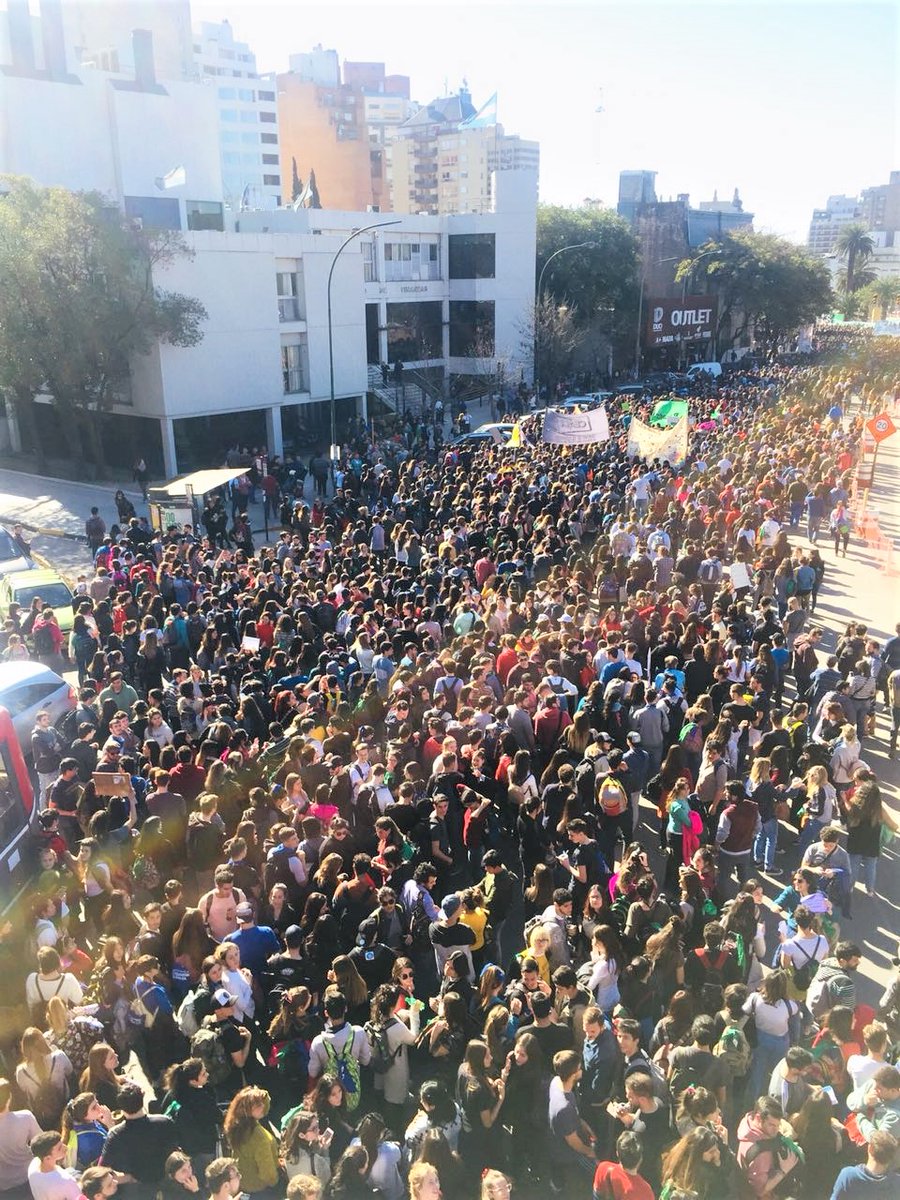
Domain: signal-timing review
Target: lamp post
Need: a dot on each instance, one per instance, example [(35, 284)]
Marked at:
[(333, 454), (537, 310), (689, 275)]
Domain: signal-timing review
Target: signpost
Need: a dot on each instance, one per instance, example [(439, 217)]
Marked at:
[(879, 429)]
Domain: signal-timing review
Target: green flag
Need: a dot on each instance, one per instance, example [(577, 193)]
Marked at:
[(668, 412)]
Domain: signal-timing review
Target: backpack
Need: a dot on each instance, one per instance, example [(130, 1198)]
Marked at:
[(207, 1046), (186, 1017), (382, 1056), (291, 1059), (685, 1076), (733, 1050), (419, 926), (803, 976), (47, 1103), (346, 1068), (691, 737), (612, 799), (709, 572), (43, 640), (39, 1008), (710, 997)]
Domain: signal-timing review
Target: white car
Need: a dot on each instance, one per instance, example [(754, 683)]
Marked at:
[(496, 434), (11, 557), (586, 403), (28, 687)]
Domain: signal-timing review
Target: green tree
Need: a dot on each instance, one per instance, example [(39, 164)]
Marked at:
[(602, 278), (78, 302), (552, 334), (856, 245), (762, 281), (882, 295)]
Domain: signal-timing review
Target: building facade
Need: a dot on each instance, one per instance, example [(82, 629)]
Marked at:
[(247, 114), (827, 222)]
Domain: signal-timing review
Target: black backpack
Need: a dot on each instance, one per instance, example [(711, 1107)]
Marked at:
[(419, 925), (43, 640)]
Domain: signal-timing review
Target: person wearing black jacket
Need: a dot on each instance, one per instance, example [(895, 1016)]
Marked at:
[(498, 887), (191, 1104)]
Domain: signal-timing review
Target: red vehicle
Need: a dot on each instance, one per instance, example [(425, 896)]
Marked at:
[(17, 814)]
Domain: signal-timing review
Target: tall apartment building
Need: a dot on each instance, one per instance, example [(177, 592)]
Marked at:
[(444, 158), (386, 105), (248, 117), (827, 222), (880, 205)]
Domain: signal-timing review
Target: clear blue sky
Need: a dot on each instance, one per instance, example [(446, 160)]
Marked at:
[(789, 102)]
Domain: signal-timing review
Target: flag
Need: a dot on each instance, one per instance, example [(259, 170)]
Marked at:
[(668, 412), (668, 444), (576, 429), (177, 177), (515, 438), (486, 115)]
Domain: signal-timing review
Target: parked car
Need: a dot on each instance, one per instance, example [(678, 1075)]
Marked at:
[(713, 369), (588, 401), (28, 687), (495, 433), (632, 389), (11, 557), (22, 586)]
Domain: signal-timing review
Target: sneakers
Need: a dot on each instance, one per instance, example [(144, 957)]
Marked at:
[(775, 873)]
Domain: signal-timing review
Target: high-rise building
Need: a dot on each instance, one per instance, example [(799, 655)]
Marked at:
[(827, 222), (445, 156), (880, 206), (386, 106), (635, 188), (248, 117)]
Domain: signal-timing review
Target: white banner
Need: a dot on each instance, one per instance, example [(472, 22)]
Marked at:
[(576, 428), (645, 441)]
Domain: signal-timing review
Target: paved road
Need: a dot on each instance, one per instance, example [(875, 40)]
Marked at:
[(856, 588)]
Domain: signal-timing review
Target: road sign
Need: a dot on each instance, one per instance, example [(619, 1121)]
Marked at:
[(881, 427)]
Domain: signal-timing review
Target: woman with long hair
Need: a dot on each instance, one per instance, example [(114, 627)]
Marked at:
[(237, 979), (74, 1034), (866, 818), (328, 1102), (666, 953), (348, 1177), (594, 914), (678, 822), (43, 1078), (773, 1014), (191, 944), (347, 979), (437, 1112), (276, 910), (539, 893), (693, 1166), (674, 1026), (824, 1141), (384, 1157), (326, 878), (190, 1101), (87, 1123), (100, 1075), (523, 1071), (491, 983), (480, 1099), (252, 1144), (607, 959), (304, 1146)]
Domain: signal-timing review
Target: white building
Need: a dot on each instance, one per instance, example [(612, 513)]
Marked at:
[(431, 292), (248, 117), (827, 222)]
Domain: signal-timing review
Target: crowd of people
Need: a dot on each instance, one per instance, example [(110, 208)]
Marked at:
[(499, 825)]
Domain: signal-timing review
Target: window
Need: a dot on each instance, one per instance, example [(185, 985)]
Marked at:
[(271, 180), (231, 159), (248, 117), (205, 214), (414, 331), (269, 139), (246, 94), (292, 369), (288, 298), (472, 328), (407, 261), (270, 160), (229, 135), (472, 255), (249, 139), (155, 212), (370, 271), (268, 118), (226, 93), (228, 114), (267, 96)]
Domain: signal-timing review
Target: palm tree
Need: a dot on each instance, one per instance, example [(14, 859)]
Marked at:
[(857, 245), (883, 294)]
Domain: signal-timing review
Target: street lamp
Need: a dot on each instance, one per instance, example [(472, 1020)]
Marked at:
[(689, 275), (561, 250), (333, 454)]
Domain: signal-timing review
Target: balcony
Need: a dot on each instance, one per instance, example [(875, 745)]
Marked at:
[(293, 380), (289, 308)]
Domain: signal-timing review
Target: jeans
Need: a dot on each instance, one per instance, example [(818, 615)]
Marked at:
[(765, 844), (796, 512), (863, 870), (808, 834), (895, 726), (770, 1050), (739, 863), (812, 529)]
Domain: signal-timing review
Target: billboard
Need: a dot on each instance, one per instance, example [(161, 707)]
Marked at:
[(690, 319)]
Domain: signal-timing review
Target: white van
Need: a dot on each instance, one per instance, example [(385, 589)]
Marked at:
[(711, 368)]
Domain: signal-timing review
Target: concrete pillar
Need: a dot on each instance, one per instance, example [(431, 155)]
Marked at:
[(382, 328), (364, 407), (170, 458), (274, 438)]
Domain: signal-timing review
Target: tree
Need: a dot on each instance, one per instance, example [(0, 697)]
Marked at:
[(314, 201), (296, 182), (602, 278), (856, 245), (762, 281), (552, 333), (882, 295), (78, 302)]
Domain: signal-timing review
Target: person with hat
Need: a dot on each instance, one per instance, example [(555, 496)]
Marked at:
[(371, 957), (448, 933), (257, 943)]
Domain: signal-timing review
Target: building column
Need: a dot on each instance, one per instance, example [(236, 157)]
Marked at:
[(382, 331), (170, 458), (12, 428), (274, 438), (364, 407)]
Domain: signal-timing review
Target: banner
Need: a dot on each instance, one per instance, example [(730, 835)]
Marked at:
[(690, 319), (665, 444), (668, 412), (577, 428)]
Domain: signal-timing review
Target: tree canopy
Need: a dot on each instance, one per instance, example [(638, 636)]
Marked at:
[(593, 279), (78, 301), (762, 281)]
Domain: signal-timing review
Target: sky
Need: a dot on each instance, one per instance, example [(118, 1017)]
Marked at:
[(789, 102)]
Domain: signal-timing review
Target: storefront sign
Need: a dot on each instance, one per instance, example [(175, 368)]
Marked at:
[(692, 319)]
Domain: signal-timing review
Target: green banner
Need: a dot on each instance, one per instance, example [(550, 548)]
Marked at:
[(668, 412)]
